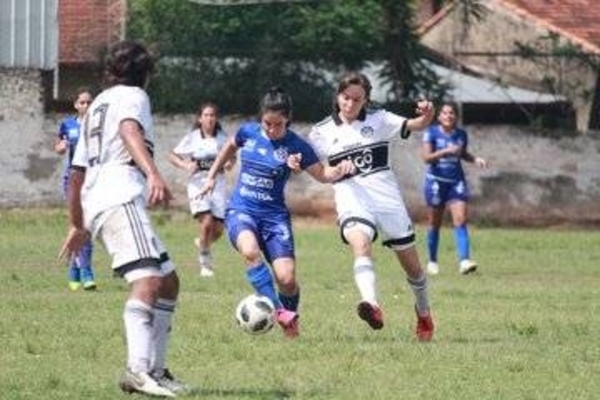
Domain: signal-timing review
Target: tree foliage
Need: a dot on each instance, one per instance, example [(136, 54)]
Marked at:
[(233, 54)]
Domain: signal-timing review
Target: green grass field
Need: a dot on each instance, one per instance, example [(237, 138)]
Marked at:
[(525, 327)]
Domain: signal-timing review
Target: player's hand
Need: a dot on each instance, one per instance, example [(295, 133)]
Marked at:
[(481, 162), (61, 146), (293, 162), (346, 167), (73, 243), (158, 191), (191, 167), (453, 149), (425, 107), (209, 186)]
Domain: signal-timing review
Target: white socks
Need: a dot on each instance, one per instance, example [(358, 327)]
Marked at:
[(364, 276)]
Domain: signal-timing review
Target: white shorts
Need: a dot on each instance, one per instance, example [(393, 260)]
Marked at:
[(130, 240), (382, 210), (214, 203)]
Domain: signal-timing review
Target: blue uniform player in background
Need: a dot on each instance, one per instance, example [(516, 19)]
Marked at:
[(81, 272), (444, 149), (257, 220)]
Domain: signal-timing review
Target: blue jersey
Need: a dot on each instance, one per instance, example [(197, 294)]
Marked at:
[(260, 185), (448, 168), (69, 130)]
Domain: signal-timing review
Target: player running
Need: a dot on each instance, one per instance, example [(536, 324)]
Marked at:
[(444, 148), (257, 219), (369, 201), (195, 153)]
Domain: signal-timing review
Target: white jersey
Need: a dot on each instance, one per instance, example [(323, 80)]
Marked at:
[(372, 194), (366, 142), (111, 177), (204, 150)]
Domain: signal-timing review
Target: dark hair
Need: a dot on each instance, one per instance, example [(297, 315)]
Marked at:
[(349, 79), (128, 63), (452, 105), (278, 101), (81, 90), (203, 106)]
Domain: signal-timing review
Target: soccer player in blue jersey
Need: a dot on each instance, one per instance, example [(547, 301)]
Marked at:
[(81, 272), (445, 146), (258, 221)]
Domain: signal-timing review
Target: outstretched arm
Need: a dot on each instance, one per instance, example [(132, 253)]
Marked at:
[(226, 154), (425, 113)]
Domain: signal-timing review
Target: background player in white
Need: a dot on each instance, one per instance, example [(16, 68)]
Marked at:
[(444, 148), (370, 201), (81, 271), (258, 221), (113, 179), (195, 153)]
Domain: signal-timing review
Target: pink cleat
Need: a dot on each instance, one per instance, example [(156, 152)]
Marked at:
[(288, 320)]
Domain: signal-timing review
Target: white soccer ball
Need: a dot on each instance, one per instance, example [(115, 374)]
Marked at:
[(255, 314)]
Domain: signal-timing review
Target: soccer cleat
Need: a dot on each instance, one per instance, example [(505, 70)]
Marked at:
[(74, 285), (371, 314), (142, 382), (167, 380), (206, 272), (89, 285), (425, 327), (433, 268), (467, 266), (288, 320)]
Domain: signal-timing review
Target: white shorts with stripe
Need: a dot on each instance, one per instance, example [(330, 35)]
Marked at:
[(130, 240)]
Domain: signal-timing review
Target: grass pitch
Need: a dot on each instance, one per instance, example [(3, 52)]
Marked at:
[(526, 326)]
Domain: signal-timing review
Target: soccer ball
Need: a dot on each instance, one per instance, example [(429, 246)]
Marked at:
[(255, 314)]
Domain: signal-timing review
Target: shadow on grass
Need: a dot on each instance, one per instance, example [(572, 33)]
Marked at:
[(243, 393)]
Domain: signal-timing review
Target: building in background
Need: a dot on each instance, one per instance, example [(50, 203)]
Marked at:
[(550, 46)]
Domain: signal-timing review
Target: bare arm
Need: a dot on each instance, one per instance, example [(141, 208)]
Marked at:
[(77, 235), (226, 154), (132, 135), (321, 172), (187, 165)]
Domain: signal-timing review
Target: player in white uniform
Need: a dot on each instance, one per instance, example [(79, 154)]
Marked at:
[(195, 153), (113, 178), (370, 201)]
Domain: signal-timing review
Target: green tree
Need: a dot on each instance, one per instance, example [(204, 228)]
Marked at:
[(233, 54)]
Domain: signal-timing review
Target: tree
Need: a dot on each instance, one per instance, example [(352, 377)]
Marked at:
[(232, 54)]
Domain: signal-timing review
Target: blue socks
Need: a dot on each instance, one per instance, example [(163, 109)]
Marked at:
[(262, 281), (433, 240), (290, 302), (461, 236)]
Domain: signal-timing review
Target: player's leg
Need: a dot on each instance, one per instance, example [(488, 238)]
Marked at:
[(128, 238), (458, 209), (205, 235), (397, 228), (435, 214), (457, 204), (84, 259), (244, 235), (359, 233)]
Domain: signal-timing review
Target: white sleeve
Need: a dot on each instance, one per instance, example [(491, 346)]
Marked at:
[(394, 124), (80, 158)]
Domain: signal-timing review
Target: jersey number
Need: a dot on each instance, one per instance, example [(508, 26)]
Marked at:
[(94, 140)]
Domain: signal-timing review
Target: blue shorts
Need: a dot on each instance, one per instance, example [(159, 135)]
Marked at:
[(273, 232), (439, 193)]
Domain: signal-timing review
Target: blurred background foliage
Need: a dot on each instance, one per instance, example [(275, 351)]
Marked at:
[(233, 54)]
